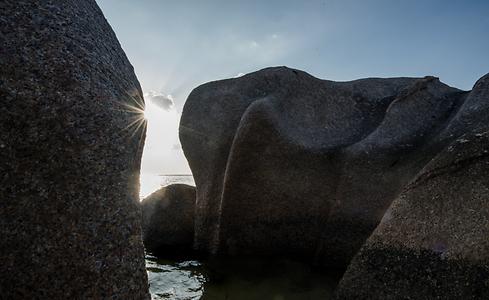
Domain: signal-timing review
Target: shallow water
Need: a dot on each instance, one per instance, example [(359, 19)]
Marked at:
[(245, 279), (174, 280)]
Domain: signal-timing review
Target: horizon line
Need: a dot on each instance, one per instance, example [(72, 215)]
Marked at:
[(174, 175)]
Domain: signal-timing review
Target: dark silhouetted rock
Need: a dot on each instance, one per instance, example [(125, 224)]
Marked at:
[(70, 150), (433, 241), (168, 220), (288, 164)]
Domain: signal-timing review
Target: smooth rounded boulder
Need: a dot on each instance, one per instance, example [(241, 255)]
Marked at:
[(433, 241), (289, 164), (71, 138), (168, 220)]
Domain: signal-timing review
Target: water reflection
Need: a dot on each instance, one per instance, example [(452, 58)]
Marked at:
[(238, 280), (174, 280)]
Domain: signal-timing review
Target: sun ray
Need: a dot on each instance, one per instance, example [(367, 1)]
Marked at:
[(136, 129), (135, 122), (135, 107)]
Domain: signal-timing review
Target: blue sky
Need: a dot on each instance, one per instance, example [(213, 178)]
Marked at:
[(177, 45)]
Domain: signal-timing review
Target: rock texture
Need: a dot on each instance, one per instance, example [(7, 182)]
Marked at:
[(289, 164), (433, 241), (168, 220), (70, 150)]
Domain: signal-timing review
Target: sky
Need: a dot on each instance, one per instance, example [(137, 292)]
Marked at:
[(177, 45)]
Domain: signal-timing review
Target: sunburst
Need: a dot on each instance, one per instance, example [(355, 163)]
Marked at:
[(137, 123)]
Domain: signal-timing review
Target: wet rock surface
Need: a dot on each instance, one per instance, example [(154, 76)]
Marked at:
[(168, 220), (71, 140), (289, 164)]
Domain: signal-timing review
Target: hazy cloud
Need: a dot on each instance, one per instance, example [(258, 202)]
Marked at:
[(163, 101), (254, 44)]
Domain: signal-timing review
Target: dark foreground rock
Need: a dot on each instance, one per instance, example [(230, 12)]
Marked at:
[(70, 150), (433, 241), (168, 220), (288, 164)]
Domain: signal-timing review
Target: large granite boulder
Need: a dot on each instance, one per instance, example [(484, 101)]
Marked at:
[(288, 164), (433, 242), (168, 220), (71, 137)]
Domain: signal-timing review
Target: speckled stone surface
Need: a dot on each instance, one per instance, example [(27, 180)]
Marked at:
[(168, 220), (69, 164), (433, 242), (289, 164)]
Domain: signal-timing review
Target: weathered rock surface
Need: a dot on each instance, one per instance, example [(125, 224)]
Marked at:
[(433, 241), (69, 156), (168, 220), (289, 164)]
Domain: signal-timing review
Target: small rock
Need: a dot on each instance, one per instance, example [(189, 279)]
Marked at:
[(168, 220)]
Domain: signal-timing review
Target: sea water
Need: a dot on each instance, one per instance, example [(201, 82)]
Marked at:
[(152, 182), (234, 279)]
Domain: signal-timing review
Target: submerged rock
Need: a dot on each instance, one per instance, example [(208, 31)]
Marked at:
[(168, 220), (286, 163), (71, 136), (433, 241)]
